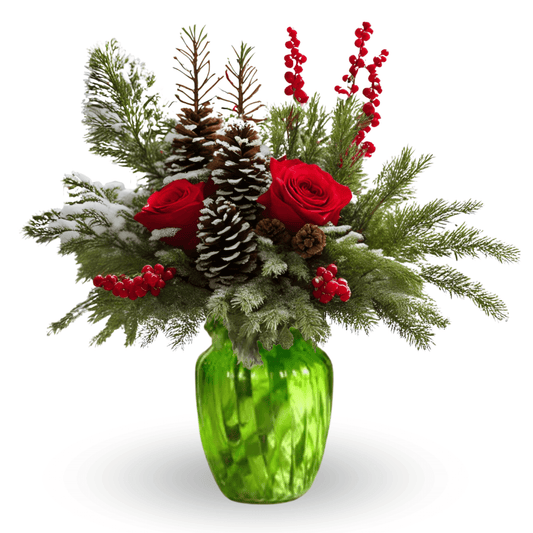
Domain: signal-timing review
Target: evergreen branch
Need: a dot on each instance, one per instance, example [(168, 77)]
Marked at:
[(410, 318), (72, 315), (343, 158), (393, 185), (399, 231), (123, 121), (242, 84), (198, 62), (464, 242), (455, 283)]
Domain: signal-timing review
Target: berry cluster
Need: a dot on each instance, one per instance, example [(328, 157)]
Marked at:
[(327, 285), (369, 108), (152, 279), (295, 60)]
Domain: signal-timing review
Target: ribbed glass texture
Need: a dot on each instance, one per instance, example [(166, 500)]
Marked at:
[(264, 430)]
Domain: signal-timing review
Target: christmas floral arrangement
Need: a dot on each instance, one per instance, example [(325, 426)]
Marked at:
[(260, 224)]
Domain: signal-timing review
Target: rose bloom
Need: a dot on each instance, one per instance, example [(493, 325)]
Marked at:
[(303, 194), (176, 205)]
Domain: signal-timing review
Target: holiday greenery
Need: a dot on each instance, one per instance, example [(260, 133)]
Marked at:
[(260, 224)]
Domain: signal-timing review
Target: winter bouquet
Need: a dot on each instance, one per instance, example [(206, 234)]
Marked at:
[(258, 224)]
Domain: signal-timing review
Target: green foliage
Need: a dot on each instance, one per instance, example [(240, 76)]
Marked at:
[(347, 120), (125, 122), (296, 131), (393, 185), (455, 283)]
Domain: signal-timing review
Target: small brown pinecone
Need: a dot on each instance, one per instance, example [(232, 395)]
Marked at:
[(273, 229), (309, 241)]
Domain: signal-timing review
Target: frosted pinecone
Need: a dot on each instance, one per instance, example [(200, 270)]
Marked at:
[(193, 143), (239, 169), (227, 247)]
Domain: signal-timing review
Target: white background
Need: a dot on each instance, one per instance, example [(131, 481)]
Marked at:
[(106, 439)]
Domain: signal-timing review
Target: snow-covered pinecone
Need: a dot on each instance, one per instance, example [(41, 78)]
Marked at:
[(193, 142), (239, 169), (227, 247)]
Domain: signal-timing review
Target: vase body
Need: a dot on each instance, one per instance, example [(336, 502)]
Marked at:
[(263, 429)]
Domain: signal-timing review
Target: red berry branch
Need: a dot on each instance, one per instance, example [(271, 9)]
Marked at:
[(152, 279), (369, 108), (327, 285), (295, 60)]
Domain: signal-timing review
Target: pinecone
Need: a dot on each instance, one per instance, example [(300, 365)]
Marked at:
[(227, 248), (239, 168), (273, 229), (309, 241), (194, 144)]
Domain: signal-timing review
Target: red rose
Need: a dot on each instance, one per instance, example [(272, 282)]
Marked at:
[(303, 194), (176, 205)]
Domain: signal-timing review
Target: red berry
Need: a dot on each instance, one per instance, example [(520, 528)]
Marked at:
[(359, 43), (160, 284), (147, 268), (159, 268), (166, 275), (128, 284), (320, 271), (345, 297), (332, 268), (137, 280), (328, 276), (124, 293), (133, 295), (342, 289), (332, 287), (151, 279), (116, 291), (155, 292), (108, 285), (317, 282), (139, 291), (342, 281), (317, 293), (325, 298), (98, 280)]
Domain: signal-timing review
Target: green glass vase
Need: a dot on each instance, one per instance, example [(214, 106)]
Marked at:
[(263, 429)]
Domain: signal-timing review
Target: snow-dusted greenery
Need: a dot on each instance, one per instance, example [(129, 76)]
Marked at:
[(382, 245)]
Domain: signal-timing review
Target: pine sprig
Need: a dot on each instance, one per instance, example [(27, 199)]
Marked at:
[(399, 231), (124, 122), (343, 158), (455, 283), (466, 242), (196, 54), (393, 185), (244, 75)]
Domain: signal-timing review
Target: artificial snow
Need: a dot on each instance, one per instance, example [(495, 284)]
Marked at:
[(162, 233), (350, 236), (190, 175)]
